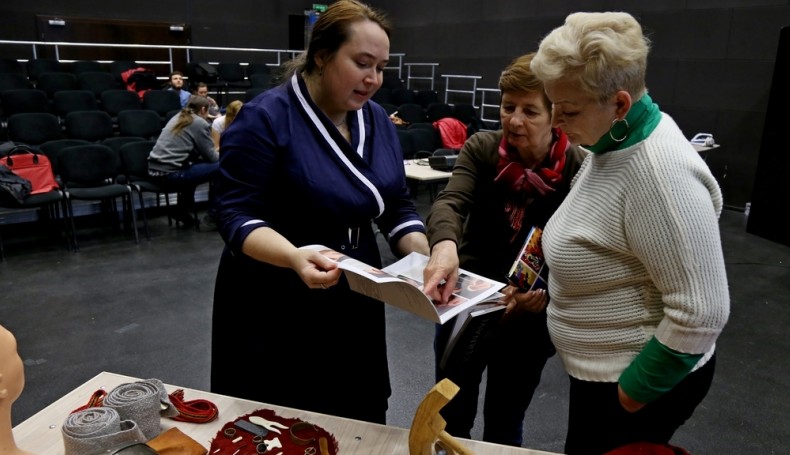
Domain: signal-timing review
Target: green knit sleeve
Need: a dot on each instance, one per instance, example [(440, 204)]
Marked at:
[(655, 371)]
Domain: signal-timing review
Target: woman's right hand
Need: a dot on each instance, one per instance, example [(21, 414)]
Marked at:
[(316, 270), (267, 245), (441, 273)]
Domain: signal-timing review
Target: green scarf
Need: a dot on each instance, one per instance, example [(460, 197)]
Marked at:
[(641, 120)]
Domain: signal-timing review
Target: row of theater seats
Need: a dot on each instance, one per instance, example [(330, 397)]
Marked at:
[(403, 95), (227, 75), (52, 82), (97, 135), (231, 75), (116, 104), (33, 68), (105, 171), (424, 105), (52, 76), (111, 101), (416, 140), (416, 113), (30, 118), (36, 128)]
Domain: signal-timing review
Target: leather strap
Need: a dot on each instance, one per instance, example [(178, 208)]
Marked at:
[(298, 426), (94, 401), (195, 411)]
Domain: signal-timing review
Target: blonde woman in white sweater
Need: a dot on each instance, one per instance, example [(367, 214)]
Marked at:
[(638, 284)]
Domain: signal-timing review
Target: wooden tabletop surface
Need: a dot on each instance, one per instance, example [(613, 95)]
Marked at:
[(41, 433)]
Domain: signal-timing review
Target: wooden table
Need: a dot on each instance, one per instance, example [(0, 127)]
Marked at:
[(41, 433), (418, 171)]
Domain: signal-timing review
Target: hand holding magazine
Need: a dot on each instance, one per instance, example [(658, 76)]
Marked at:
[(529, 271), (400, 284)]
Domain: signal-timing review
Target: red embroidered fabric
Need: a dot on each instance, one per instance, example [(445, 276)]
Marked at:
[(223, 445), (648, 448)]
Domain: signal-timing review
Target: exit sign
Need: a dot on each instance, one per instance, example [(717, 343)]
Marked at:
[(319, 7)]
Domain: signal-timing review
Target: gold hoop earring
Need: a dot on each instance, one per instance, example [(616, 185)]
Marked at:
[(625, 134)]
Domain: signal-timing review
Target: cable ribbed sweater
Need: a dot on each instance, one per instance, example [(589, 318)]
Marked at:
[(635, 251)]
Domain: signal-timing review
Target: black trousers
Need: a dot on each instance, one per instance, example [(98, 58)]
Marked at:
[(597, 423), (513, 356)]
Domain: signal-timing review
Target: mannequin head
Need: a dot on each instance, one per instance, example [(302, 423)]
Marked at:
[(12, 371), (12, 381)]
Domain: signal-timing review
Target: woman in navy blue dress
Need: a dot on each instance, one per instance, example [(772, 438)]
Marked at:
[(312, 161)]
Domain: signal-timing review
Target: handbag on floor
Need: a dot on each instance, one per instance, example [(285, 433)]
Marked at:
[(29, 164)]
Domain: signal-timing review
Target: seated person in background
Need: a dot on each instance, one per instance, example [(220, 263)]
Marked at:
[(176, 82), (184, 156), (213, 107), (12, 381), (220, 123)]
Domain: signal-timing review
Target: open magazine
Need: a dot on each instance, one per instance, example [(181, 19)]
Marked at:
[(470, 326), (400, 284)]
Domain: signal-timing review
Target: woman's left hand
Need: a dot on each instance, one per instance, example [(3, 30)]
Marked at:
[(628, 403), (520, 302)]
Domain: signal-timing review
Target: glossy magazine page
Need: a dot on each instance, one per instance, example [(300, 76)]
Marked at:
[(400, 284)]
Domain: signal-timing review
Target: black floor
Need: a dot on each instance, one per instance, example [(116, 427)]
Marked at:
[(145, 310)]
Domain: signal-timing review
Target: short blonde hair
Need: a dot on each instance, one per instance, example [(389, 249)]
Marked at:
[(601, 52)]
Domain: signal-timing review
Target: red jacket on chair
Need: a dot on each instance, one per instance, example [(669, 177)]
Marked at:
[(452, 131)]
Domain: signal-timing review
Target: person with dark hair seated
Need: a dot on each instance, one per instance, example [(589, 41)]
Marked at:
[(213, 108), (184, 157), (176, 83)]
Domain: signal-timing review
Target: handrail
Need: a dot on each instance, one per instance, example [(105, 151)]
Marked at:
[(399, 66), (484, 105), (448, 90), (409, 77), (170, 48)]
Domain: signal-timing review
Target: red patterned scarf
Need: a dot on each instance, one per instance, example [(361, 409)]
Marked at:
[(524, 184)]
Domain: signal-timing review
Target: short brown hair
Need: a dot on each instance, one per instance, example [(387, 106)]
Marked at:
[(331, 30), (518, 77)]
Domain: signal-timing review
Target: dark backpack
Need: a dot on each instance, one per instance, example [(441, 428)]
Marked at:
[(203, 72), (13, 188)]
